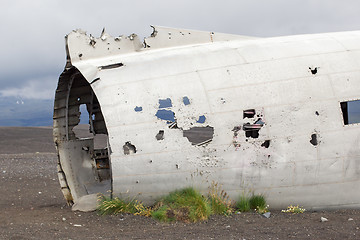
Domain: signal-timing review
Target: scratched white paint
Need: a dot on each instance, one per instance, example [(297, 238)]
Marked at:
[(222, 75)]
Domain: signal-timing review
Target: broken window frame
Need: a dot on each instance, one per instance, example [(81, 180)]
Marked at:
[(349, 116)]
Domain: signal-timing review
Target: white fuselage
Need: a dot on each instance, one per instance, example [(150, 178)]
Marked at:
[(266, 113)]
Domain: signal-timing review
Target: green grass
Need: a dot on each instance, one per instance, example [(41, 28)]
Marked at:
[(185, 205), (243, 205), (257, 202)]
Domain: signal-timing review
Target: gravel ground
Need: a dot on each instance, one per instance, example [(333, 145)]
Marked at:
[(32, 207)]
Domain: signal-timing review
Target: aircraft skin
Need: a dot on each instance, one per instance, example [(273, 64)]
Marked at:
[(188, 108)]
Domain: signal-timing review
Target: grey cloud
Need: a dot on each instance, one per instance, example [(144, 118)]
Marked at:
[(32, 43), (39, 88)]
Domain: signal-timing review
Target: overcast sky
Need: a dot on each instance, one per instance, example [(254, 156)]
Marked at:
[(32, 31)]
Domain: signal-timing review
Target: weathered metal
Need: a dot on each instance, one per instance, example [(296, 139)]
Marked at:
[(153, 98)]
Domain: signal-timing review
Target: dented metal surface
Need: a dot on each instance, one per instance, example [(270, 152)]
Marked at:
[(185, 108)]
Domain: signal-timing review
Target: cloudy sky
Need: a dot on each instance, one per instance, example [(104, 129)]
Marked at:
[(32, 32)]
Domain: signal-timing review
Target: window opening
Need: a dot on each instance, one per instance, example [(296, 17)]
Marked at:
[(82, 129), (351, 112)]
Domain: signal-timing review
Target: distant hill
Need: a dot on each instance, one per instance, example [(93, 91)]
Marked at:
[(25, 112)]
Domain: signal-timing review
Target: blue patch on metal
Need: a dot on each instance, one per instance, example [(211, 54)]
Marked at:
[(166, 115), (138, 109), (186, 100), (202, 119), (165, 103)]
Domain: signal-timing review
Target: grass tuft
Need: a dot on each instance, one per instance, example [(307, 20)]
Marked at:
[(243, 205), (117, 205), (219, 200), (257, 202), (185, 205)]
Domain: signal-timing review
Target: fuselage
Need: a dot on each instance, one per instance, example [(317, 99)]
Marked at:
[(267, 116)]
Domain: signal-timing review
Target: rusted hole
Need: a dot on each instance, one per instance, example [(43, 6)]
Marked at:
[(313, 71), (252, 133), (92, 42), (236, 144), (160, 135), (266, 144), (199, 135), (252, 130), (236, 129), (314, 140), (249, 113), (129, 148)]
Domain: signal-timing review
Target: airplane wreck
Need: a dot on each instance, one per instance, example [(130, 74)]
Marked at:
[(275, 116)]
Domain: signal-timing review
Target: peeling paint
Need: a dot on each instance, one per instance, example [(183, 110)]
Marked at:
[(186, 101), (166, 115), (201, 119), (138, 109), (165, 103)]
